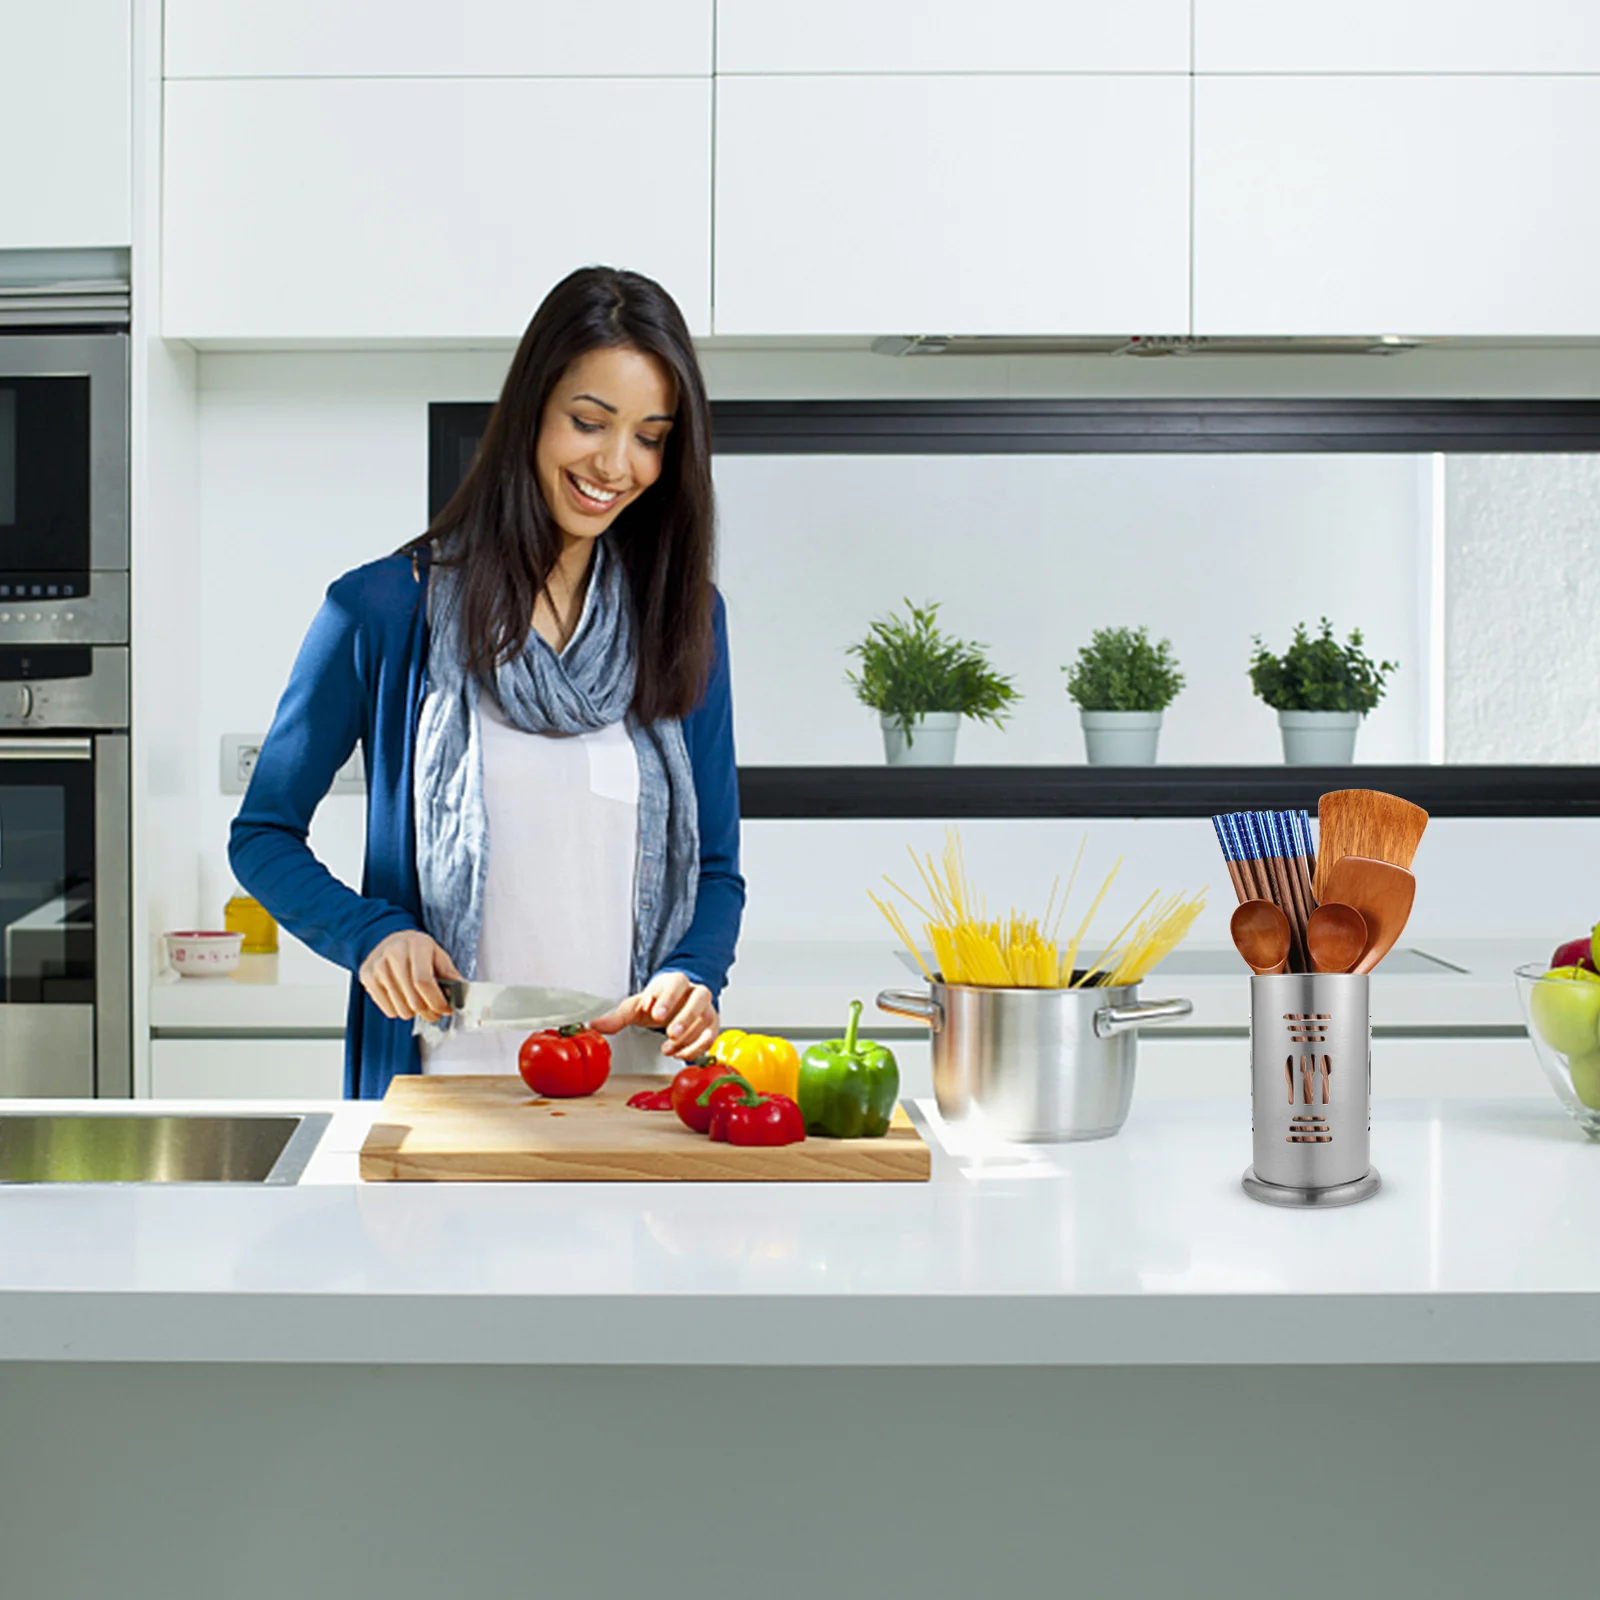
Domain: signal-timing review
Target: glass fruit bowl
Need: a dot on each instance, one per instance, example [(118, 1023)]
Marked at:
[(1563, 1016)]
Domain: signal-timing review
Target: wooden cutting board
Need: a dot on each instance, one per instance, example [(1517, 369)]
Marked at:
[(492, 1130)]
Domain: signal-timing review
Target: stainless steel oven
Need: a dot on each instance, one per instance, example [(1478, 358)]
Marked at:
[(65, 904)]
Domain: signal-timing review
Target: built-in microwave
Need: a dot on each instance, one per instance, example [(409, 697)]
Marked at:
[(64, 487)]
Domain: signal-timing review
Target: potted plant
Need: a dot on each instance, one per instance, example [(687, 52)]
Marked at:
[(1321, 690), (1121, 684), (922, 682)]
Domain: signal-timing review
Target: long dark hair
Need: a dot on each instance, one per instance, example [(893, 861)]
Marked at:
[(497, 529)]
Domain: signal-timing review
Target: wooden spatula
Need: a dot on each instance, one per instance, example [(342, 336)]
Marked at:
[(1382, 893), (1365, 823)]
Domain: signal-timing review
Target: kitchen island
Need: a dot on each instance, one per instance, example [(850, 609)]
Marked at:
[(1099, 1367)]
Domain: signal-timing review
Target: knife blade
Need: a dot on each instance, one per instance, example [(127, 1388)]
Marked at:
[(499, 1005)]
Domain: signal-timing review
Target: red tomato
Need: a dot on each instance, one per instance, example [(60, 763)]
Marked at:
[(564, 1063), (688, 1086)]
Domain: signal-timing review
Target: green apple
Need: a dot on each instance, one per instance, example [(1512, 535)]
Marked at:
[(1585, 1072), (1594, 945), (1566, 1010)]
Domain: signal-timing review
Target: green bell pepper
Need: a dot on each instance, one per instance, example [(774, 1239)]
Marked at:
[(848, 1087)]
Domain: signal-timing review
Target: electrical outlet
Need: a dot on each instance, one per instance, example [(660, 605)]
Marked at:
[(239, 753), (241, 750)]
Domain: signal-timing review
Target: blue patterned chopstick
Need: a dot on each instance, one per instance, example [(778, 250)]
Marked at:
[(1270, 856)]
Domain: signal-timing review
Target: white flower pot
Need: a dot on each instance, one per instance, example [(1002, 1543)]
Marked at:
[(932, 742), (1319, 738), (1121, 738)]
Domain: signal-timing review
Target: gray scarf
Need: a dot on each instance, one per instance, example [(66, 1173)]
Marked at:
[(587, 687)]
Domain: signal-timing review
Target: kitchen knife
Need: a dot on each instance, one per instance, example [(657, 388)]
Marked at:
[(499, 1005)]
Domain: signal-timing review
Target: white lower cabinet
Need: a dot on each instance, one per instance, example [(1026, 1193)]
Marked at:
[(419, 209), (1402, 204), (247, 1069), (965, 203)]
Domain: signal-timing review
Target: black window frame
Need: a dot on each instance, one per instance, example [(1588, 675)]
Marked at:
[(1229, 426)]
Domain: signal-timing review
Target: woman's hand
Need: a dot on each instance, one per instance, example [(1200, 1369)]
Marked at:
[(402, 975), (671, 1001)]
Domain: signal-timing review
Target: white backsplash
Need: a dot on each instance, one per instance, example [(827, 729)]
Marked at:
[(311, 463)]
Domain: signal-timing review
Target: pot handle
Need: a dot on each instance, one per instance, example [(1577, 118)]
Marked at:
[(1109, 1020), (908, 1003)]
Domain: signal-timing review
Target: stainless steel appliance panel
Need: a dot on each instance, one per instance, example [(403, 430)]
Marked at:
[(113, 918), (47, 1051), (98, 617), (98, 700)]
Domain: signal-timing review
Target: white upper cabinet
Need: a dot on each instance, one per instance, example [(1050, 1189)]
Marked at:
[(1397, 36), (430, 38), (1347, 205), (952, 204), (391, 209), (764, 36), (65, 124)]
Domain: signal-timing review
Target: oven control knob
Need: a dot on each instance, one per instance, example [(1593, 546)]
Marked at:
[(25, 696)]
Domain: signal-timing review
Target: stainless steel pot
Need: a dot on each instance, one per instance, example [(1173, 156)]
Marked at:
[(1038, 1065)]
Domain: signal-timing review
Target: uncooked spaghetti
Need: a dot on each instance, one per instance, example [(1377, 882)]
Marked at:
[(1023, 952)]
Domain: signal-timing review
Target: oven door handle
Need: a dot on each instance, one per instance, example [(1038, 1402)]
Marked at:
[(33, 748)]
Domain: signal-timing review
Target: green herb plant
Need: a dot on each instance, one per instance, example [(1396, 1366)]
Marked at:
[(1319, 674), (910, 668), (1120, 670)]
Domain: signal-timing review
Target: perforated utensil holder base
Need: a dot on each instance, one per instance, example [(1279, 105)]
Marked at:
[(1311, 1089)]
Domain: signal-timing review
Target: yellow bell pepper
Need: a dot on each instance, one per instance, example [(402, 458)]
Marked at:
[(770, 1065)]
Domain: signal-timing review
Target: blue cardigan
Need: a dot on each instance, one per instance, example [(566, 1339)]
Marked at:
[(360, 677)]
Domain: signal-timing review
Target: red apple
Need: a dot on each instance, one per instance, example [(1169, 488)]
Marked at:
[(1575, 953)]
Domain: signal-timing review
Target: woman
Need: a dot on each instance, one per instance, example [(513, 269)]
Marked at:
[(540, 688)]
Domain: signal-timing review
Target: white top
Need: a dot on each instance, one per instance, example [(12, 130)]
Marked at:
[(1480, 1247), (563, 814)]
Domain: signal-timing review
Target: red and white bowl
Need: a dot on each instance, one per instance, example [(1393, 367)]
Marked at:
[(203, 955)]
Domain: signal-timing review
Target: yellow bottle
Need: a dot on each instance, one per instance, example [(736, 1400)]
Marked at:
[(249, 917)]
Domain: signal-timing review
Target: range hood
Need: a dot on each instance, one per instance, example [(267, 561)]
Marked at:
[(1147, 345)]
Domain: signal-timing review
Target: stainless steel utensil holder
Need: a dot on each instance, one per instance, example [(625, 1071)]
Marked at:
[(1311, 1089)]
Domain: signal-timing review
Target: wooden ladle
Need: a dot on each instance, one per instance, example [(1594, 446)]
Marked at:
[(1261, 935), (1336, 936), (1382, 893)]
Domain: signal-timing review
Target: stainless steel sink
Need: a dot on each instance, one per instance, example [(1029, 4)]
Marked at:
[(157, 1147)]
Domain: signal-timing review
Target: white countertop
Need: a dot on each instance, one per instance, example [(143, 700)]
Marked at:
[(1140, 1249), (806, 986)]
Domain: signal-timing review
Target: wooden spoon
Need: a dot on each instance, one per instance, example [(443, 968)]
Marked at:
[(1336, 936), (1261, 935), (1365, 823), (1382, 893)]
